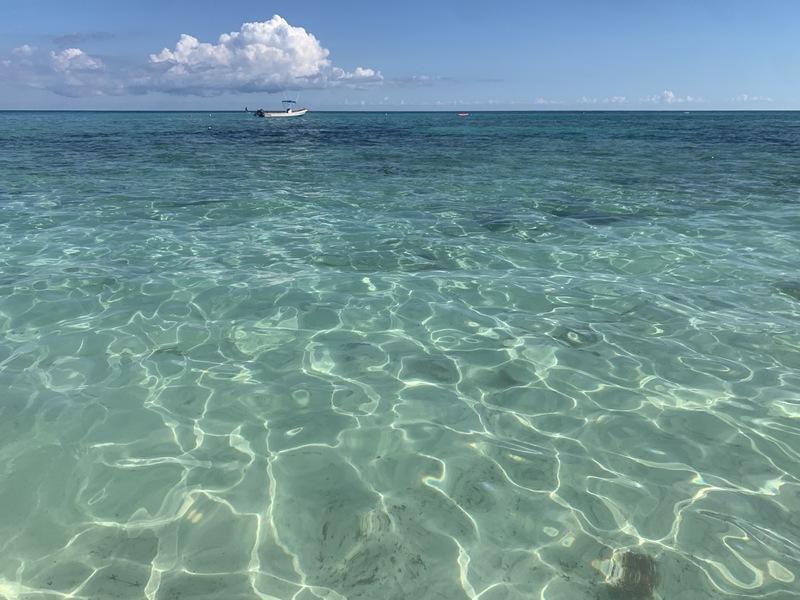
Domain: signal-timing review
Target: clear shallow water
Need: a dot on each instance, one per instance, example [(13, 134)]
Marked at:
[(399, 356)]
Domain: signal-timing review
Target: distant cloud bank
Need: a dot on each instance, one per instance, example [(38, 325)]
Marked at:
[(669, 97), (267, 56), (609, 100), (748, 98)]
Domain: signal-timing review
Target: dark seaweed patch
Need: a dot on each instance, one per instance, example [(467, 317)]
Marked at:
[(633, 576)]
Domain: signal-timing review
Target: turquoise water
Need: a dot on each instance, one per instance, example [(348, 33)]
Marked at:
[(366, 356)]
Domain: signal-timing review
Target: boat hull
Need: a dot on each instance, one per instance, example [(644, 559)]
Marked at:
[(283, 114)]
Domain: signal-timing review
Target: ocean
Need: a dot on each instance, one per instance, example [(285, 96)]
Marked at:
[(545, 355)]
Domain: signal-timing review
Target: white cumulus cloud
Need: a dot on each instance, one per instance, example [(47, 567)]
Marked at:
[(24, 51), (69, 72), (74, 59), (266, 56), (360, 74)]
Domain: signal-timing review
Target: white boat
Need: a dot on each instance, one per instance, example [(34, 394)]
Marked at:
[(288, 111)]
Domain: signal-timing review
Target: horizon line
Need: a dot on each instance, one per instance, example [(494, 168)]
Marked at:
[(432, 110)]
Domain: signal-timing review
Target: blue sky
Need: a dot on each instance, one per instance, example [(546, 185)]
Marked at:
[(564, 54)]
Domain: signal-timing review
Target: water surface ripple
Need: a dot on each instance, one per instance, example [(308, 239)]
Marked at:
[(368, 356)]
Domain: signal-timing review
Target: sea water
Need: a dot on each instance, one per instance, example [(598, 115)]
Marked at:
[(400, 356)]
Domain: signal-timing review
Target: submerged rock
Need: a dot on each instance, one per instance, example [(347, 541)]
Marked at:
[(592, 217), (575, 338), (788, 288), (500, 224), (631, 575)]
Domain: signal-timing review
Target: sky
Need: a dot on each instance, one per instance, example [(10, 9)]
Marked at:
[(407, 55)]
